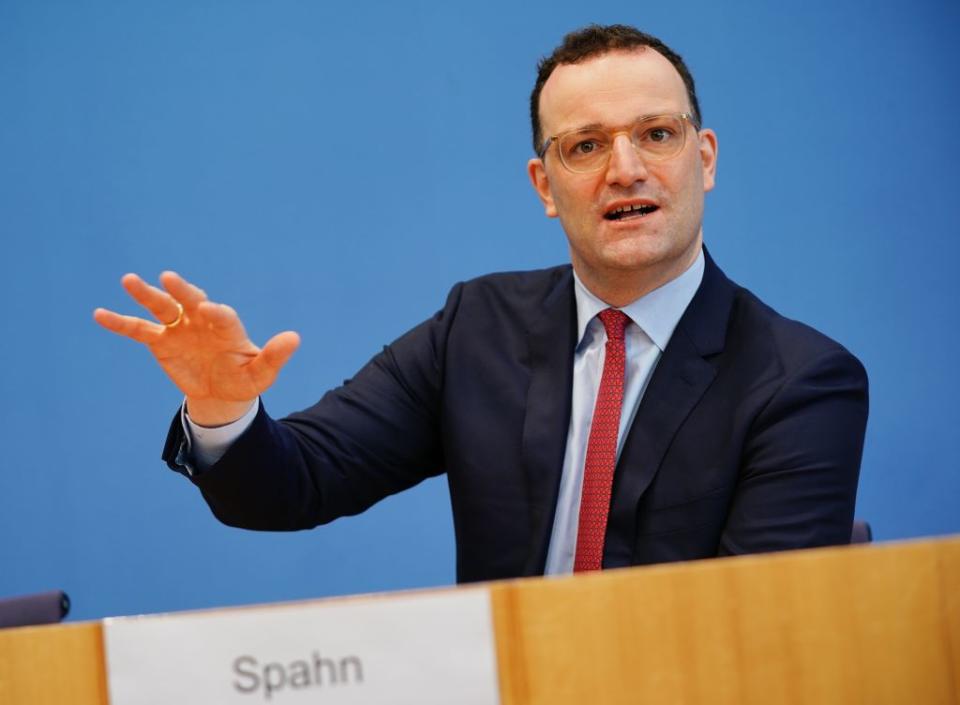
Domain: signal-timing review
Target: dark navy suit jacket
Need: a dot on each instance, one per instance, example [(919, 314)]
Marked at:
[(748, 437)]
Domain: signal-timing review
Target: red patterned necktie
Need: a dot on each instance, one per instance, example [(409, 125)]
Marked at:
[(602, 447)]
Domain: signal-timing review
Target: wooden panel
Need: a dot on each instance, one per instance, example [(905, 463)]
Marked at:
[(508, 635), (53, 665), (949, 555), (871, 624), (866, 624)]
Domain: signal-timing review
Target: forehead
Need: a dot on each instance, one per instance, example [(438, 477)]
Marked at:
[(611, 89)]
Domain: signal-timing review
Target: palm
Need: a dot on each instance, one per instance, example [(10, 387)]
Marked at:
[(206, 351), (204, 363)]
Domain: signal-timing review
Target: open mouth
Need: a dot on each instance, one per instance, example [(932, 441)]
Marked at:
[(627, 212)]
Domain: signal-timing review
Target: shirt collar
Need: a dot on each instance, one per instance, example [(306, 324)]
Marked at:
[(657, 313)]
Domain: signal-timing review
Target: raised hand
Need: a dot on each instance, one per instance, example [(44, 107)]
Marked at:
[(202, 346)]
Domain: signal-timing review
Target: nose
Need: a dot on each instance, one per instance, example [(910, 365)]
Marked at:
[(625, 167)]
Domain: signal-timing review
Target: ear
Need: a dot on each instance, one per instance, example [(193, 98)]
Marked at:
[(708, 157), (541, 184)]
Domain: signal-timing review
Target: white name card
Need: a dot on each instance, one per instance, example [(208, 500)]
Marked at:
[(418, 648)]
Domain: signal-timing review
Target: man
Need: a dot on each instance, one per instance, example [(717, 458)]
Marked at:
[(635, 408)]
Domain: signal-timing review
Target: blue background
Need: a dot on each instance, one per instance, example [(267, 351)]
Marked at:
[(334, 168)]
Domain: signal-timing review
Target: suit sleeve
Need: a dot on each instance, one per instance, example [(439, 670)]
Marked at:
[(801, 461), (376, 435)]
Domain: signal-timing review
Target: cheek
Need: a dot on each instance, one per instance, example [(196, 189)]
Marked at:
[(572, 204), (689, 186), (577, 195)]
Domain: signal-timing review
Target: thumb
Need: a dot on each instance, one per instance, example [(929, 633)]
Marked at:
[(272, 357)]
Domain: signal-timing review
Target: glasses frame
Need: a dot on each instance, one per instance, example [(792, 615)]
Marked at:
[(555, 139)]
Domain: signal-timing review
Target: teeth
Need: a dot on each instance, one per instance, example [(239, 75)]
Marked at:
[(627, 209)]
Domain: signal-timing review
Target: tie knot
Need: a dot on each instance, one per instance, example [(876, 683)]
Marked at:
[(614, 321)]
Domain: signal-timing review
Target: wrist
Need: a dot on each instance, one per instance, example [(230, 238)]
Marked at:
[(213, 412)]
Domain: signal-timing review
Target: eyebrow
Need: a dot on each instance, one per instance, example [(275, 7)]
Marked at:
[(601, 126)]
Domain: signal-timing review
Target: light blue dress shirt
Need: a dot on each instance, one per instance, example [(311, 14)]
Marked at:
[(653, 318)]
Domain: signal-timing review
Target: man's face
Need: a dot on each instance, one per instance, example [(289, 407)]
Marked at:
[(614, 90)]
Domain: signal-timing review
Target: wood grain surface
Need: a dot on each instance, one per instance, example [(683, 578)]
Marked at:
[(865, 624), (869, 624)]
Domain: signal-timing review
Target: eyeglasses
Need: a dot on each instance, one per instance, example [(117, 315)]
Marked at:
[(656, 137)]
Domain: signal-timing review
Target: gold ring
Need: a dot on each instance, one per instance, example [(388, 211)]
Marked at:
[(179, 318)]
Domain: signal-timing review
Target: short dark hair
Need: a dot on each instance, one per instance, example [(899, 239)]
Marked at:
[(595, 40)]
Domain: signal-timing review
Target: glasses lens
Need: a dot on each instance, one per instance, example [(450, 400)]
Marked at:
[(585, 150), (659, 137)]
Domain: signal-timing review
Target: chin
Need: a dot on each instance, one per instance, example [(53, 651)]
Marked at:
[(641, 253)]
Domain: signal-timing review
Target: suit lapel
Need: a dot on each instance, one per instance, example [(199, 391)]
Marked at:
[(552, 337), (683, 374)]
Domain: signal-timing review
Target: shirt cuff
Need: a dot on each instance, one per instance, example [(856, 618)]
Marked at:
[(207, 444)]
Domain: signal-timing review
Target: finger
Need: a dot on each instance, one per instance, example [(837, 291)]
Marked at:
[(158, 302), (223, 320), (274, 355), (129, 326), (183, 291)]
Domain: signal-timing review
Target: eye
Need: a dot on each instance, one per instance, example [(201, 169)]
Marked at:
[(583, 146), (659, 134)]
